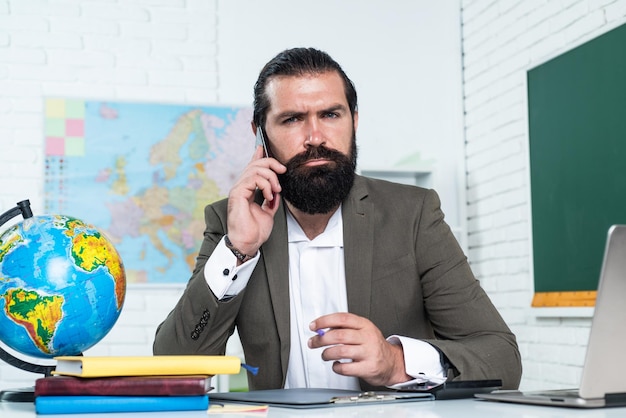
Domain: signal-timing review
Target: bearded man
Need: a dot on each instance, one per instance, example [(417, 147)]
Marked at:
[(332, 279)]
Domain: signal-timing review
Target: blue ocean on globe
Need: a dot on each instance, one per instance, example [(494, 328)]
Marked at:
[(62, 286)]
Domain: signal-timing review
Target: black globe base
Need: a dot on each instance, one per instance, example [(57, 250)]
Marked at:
[(26, 394)]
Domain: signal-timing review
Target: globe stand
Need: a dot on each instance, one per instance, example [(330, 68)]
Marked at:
[(20, 394), (22, 208), (26, 394)]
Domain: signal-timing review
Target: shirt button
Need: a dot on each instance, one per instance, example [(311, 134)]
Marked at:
[(226, 272), (234, 277)]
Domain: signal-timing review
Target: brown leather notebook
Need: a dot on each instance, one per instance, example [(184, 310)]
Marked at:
[(124, 385)]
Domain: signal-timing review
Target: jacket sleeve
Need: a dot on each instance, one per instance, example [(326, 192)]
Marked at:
[(199, 323), (470, 333)]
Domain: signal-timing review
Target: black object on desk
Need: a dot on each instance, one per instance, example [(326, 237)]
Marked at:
[(456, 389)]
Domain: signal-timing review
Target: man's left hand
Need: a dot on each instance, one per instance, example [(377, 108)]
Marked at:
[(352, 337)]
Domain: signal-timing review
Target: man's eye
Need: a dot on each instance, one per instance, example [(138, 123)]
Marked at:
[(291, 119), (331, 115)]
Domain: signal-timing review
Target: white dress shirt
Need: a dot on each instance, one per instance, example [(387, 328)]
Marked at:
[(317, 287)]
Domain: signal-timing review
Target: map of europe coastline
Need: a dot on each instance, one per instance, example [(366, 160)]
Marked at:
[(143, 173)]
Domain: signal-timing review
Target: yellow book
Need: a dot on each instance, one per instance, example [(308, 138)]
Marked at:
[(146, 365)]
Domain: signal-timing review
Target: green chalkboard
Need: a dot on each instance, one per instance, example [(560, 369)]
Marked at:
[(577, 145)]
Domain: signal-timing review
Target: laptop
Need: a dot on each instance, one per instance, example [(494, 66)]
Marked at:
[(603, 380)]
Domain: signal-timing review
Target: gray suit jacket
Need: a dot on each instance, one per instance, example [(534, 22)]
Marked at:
[(404, 271)]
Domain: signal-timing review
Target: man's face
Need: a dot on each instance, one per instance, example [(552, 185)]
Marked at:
[(308, 110), (310, 130)]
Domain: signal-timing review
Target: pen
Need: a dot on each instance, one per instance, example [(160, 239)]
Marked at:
[(320, 332)]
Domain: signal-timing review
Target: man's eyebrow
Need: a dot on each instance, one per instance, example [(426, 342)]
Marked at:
[(335, 108), (288, 114), (296, 114)]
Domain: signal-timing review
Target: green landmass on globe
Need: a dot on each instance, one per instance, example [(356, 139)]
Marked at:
[(62, 286), (38, 314)]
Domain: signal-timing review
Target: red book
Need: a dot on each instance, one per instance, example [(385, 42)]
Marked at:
[(124, 385)]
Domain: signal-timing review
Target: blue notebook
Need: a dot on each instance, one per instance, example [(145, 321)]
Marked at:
[(47, 405)]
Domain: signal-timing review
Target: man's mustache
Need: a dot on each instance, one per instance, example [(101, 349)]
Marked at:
[(314, 153)]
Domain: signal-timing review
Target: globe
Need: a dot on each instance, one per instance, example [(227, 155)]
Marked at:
[(62, 285)]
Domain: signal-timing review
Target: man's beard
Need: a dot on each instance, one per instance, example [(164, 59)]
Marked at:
[(319, 189)]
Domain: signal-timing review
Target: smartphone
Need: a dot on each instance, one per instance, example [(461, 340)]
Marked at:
[(260, 140)]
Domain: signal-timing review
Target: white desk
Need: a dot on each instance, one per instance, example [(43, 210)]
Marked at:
[(466, 408)]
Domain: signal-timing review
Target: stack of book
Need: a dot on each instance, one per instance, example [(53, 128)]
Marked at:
[(130, 384)]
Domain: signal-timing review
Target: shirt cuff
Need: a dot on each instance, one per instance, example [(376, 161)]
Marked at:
[(224, 277), (421, 361)]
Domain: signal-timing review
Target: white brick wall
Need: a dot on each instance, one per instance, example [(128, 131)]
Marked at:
[(501, 40), (140, 50)]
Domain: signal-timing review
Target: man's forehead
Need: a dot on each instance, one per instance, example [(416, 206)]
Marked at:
[(329, 82)]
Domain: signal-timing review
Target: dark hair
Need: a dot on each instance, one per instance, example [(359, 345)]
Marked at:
[(297, 62)]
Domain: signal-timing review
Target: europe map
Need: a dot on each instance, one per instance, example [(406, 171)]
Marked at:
[(143, 173)]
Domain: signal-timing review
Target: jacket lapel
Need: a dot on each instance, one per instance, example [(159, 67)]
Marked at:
[(358, 243), (275, 256)]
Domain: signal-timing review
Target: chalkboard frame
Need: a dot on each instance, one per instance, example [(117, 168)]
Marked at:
[(572, 98)]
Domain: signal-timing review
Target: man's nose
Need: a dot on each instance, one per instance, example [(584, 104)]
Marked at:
[(314, 135)]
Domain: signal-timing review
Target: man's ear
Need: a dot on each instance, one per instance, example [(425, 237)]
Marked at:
[(356, 120), (253, 126)]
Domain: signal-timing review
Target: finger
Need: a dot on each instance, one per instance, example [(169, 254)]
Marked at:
[(258, 153), (276, 166), (337, 320), (269, 186), (348, 368), (336, 337), (268, 168), (273, 163), (272, 205), (342, 352)]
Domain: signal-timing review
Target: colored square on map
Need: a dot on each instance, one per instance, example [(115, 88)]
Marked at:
[(75, 127), (55, 127), (55, 146), (75, 109), (75, 147), (55, 108)]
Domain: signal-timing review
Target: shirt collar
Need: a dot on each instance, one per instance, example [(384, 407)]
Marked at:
[(331, 237)]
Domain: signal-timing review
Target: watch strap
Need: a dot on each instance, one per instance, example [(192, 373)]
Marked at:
[(240, 256)]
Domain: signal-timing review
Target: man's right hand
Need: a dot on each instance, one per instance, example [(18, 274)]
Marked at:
[(250, 225)]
